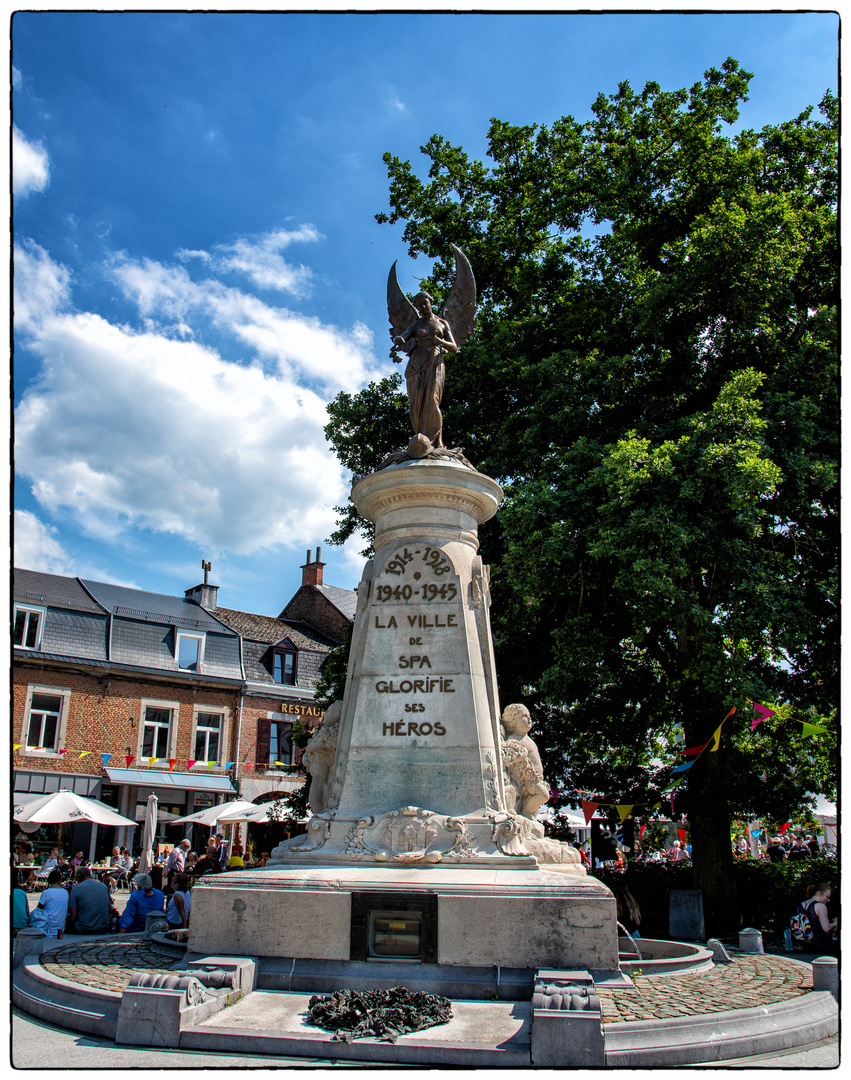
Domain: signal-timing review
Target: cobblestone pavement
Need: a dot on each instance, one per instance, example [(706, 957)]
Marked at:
[(750, 980), (109, 963)]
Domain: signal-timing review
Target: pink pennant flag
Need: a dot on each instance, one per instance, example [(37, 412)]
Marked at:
[(62, 751), (189, 764), (762, 714)]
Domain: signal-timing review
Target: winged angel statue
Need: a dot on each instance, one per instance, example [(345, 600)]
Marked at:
[(425, 337)]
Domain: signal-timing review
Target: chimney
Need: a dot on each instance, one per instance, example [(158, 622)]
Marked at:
[(204, 595), (311, 572)]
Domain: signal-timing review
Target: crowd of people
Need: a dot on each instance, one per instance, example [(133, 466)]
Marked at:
[(78, 898), (788, 847)]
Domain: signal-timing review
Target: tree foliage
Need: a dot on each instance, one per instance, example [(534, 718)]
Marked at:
[(653, 381)]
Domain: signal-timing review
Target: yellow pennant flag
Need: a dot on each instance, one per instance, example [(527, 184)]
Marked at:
[(84, 752), (153, 760), (716, 735), (17, 746), (624, 811)]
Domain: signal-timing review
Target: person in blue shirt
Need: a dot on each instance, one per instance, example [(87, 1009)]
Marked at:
[(140, 903)]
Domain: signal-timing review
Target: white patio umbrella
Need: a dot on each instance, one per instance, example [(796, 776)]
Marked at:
[(146, 861), (60, 806), (212, 814), (256, 814)]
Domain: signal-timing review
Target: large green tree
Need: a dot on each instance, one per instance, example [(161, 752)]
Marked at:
[(653, 381)]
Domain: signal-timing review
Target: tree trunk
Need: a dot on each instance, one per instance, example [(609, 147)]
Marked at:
[(712, 854)]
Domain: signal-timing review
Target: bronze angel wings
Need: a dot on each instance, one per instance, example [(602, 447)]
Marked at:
[(459, 310)]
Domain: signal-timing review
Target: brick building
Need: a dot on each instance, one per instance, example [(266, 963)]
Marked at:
[(118, 692)]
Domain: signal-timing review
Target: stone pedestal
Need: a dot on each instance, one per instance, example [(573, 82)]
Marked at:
[(415, 802)]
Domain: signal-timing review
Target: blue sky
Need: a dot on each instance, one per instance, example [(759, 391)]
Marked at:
[(197, 265)]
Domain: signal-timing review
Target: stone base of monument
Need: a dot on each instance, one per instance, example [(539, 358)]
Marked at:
[(460, 916)]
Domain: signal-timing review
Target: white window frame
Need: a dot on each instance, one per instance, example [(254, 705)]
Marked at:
[(156, 703), (224, 712), (29, 609), (53, 691), (185, 635)]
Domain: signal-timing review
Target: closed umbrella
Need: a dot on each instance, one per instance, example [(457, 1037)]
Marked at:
[(65, 805), (212, 814), (146, 860)]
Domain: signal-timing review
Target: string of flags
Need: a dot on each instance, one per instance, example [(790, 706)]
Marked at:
[(679, 772), (150, 761)]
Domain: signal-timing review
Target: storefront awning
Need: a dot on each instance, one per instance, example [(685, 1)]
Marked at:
[(157, 779)]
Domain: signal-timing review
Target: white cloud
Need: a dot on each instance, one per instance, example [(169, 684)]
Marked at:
[(127, 428), (304, 349), (42, 287), (36, 546), (259, 259), (30, 165)]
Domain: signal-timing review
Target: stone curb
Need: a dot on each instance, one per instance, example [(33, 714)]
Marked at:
[(723, 1036)]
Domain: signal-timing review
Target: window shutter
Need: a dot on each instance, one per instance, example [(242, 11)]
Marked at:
[(264, 738)]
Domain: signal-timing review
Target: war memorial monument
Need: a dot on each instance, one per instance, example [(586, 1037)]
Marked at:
[(423, 843), (424, 874)]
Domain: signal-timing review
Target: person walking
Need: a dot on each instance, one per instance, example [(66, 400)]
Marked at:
[(798, 850), (824, 938), (774, 850), (176, 862)]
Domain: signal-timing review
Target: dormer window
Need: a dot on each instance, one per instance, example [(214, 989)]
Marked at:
[(284, 668), (29, 622), (190, 651)]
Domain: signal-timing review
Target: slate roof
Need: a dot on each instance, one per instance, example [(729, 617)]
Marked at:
[(38, 588), (344, 600), (153, 607), (266, 629)]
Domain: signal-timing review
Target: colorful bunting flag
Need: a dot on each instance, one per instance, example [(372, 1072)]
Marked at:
[(129, 758), (624, 811), (248, 764), (681, 833), (106, 757), (83, 753), (190, 763), (153, 760), (229, 764), (682, 768), (172, 761), (588, 809), (694, 750), (784, 827), (62, 751), (811, 729), (763, 713)]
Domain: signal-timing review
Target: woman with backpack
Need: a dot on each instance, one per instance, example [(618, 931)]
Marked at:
[(815, 908)]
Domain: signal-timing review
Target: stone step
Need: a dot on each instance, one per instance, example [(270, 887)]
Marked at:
[(480, 1034)]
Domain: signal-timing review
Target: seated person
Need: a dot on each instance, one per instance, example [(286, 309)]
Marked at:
[(89, 903), (236, 861), (143, 900), (177, 912), (54, 901)]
